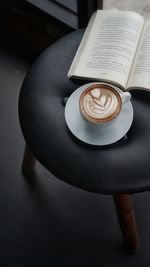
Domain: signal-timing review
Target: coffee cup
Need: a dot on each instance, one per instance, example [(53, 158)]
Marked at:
[(101, 103)]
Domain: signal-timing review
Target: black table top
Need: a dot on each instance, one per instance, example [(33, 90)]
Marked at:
[(123, 167)]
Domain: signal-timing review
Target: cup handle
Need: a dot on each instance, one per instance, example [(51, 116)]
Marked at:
[(125, 96)]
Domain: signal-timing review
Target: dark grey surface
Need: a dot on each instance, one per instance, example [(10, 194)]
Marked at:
[(45, 222)]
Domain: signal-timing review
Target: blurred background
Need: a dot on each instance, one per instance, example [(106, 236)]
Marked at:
[(35, 24), (140, 6)]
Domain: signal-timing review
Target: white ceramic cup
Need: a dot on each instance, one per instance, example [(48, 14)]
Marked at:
[(101, 104)]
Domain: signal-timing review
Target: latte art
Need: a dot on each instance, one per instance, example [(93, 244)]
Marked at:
[(100, 103)]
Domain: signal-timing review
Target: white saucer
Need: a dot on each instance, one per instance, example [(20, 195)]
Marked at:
[(96, 134)]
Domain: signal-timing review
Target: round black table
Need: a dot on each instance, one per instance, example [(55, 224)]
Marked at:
[(119, 169)]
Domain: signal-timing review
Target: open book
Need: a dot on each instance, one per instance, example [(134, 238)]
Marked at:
[(115, 48)]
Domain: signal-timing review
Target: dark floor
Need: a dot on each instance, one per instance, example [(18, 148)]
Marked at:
[(45, 222)]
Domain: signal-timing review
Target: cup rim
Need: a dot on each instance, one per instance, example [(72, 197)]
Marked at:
[(101, 120)]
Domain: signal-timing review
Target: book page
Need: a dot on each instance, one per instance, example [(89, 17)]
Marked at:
[(110, 47), (140, 75)]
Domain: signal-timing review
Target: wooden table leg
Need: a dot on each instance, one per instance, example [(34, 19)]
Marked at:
[(125, 212), (28, 163)]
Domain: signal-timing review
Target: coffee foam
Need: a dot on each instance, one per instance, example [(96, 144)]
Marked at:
[(101, 103)]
